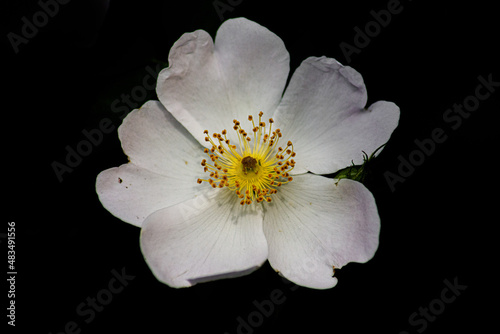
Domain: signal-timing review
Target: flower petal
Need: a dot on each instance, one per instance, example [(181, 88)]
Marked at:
[(165, 164), (208, 238), (313, 225), (322, 113), (153, 139), (132, 193), (206, 87)]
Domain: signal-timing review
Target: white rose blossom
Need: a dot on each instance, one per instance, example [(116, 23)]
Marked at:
[(222, 171)]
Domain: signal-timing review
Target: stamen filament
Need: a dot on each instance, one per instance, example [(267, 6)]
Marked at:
[(253, 170)]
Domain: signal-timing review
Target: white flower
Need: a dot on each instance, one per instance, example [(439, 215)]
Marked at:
[(220, 207)]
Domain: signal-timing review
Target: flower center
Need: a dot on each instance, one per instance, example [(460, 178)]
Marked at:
[(254, 168)]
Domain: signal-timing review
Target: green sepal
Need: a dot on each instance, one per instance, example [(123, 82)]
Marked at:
[(357, 172)]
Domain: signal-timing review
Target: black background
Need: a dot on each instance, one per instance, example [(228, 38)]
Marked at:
[(438, 224)]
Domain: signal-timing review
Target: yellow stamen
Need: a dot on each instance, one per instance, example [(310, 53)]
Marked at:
[(254, 168)]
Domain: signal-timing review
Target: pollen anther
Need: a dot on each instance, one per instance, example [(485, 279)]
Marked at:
[(255, 168)]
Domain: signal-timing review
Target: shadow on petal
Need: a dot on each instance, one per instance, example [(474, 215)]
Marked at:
[(234, 274)]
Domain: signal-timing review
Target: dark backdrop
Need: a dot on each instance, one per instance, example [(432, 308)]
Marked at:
[(438, 226)]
